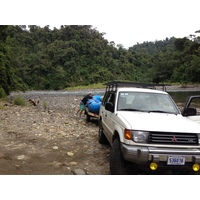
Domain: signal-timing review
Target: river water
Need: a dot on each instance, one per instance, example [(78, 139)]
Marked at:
[(178, 96), (181, 96)]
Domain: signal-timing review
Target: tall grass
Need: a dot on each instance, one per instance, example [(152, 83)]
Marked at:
[(45, 105), (2, 93), (1, 107), (18, 100)]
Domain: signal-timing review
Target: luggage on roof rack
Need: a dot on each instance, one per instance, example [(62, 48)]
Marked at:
[(113, 85)]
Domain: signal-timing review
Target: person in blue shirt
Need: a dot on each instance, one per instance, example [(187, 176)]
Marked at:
[(82, 104)]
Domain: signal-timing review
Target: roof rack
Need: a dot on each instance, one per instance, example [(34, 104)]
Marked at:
[(113, 85)]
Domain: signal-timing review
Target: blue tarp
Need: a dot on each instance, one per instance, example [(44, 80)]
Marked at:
[(94, 104)]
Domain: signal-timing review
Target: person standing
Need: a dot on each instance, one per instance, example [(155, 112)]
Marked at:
[(83, 103)]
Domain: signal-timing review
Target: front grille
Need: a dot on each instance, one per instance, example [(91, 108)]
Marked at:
[(173, 138)]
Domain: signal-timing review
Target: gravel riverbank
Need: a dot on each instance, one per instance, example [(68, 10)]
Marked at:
[(48, 139)]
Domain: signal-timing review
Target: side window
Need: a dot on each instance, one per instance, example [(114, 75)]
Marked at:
[(112, 98), (109, 97), (105, 99)]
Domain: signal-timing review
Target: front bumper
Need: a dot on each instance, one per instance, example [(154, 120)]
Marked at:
[(143, 155)]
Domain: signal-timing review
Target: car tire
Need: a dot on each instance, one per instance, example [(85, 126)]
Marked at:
[(118, 166), (101, 137), (87, 117)]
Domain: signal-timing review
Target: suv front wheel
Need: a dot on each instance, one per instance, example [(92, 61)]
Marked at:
[(118, 166)]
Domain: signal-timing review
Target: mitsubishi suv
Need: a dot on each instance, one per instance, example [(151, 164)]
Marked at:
[(146, 130)]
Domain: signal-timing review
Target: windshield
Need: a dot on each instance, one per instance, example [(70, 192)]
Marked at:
[(146, 102)]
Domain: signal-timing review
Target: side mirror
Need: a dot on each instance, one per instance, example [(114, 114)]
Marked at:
[(189, 112), (109, 106)]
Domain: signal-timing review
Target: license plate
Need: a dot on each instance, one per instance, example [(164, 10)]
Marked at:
[(176, 160)]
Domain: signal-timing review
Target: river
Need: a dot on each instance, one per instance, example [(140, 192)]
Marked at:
[(181, 96), (177, 95)]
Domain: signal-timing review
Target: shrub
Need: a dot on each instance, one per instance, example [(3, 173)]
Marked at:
[(18, 100), (1, 107), (2, 93), (44, 105)]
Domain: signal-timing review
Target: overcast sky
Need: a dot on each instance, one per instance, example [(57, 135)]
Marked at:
[(125, 22)]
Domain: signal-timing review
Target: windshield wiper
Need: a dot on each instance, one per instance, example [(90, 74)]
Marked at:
[(130, 109), (159, 111)]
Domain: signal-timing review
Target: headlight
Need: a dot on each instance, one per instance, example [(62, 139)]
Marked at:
[(140, 136)]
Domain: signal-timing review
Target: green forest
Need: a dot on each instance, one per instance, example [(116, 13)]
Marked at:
[(41, 58)]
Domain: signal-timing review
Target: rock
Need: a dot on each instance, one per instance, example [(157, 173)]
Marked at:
[(21, 157), (79, 172), (70, 153), (90, 151), (73, 163)]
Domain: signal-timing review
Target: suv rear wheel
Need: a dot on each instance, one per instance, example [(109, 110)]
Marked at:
[(102, 138)]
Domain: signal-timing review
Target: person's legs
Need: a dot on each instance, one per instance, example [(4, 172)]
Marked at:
[(82, 108), (78, 111)]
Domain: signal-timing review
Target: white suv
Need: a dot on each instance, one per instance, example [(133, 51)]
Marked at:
[(147, 131)]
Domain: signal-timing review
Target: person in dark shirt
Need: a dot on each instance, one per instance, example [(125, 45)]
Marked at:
[(83, 102)]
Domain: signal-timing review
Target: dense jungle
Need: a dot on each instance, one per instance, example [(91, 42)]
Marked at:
[(42, 58)]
